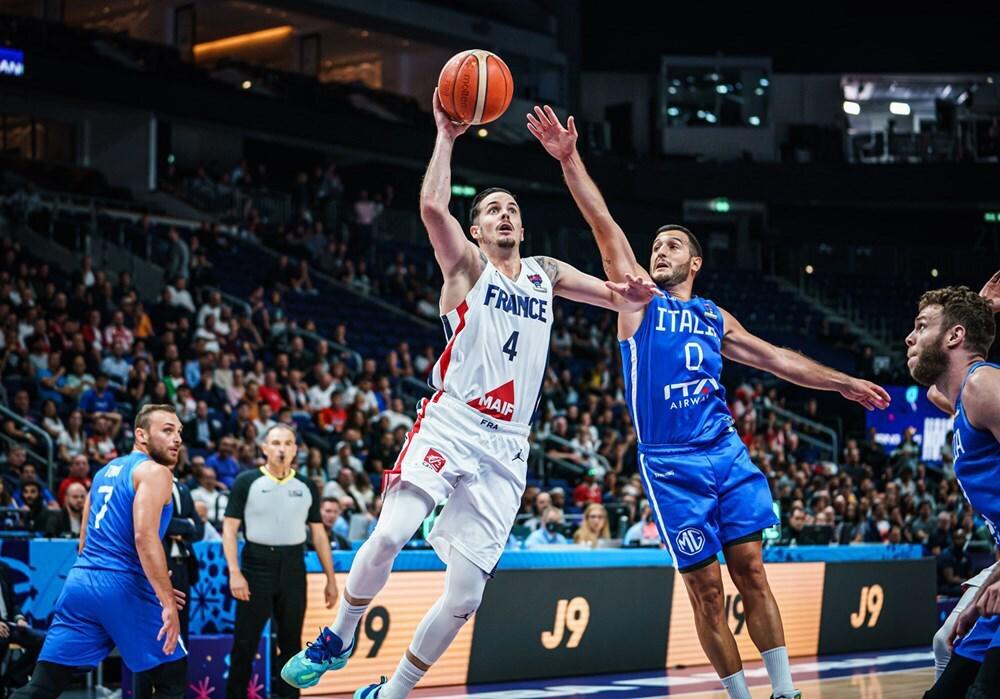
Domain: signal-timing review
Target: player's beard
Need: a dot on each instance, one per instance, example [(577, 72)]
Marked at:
[(676, 275), (506, 243), (160, 453), (931, 362)]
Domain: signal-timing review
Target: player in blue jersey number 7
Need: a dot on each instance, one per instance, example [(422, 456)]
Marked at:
[(706, 494), (947, 350)]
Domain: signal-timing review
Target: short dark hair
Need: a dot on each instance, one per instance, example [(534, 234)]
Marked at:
[(144, 416), (692, 241), (477, 202), (960, 305), (330, 499)]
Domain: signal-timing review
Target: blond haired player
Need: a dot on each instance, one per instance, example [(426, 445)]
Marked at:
[(470, 441)]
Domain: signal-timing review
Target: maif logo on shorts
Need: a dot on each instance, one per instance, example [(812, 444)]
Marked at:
[(690, 542), (434, 460)]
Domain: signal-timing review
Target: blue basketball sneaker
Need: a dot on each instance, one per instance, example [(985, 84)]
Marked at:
[(306, 667), (370, 691)]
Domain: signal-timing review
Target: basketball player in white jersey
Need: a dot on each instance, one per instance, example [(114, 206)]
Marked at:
[(470, 441)]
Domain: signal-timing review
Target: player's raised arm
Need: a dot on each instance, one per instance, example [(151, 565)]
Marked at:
[(451, 248), (739, 345), (153, 490), (570, 283), (616, 253)]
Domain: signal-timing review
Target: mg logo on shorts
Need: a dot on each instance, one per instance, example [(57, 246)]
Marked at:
[(434, 460), (690, 542)]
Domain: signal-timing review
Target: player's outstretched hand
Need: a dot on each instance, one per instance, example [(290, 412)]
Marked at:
[(991, 292), (870, 395), (966, 620), (445, 126), (170, 630), (635, 289), (558, 142), (989, 602)]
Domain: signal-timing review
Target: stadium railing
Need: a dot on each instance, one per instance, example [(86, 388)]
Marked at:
[(48, 458)]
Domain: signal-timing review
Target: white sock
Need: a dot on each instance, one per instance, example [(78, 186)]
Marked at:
[(402, 681), (736, 686), (346, 623), (776, 663)]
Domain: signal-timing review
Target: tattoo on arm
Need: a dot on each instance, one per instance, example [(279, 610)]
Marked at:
[(550, 267), (483, 260)]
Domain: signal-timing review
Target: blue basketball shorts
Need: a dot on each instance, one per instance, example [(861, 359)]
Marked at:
[(981, 638), (100, 609), (705, 498)]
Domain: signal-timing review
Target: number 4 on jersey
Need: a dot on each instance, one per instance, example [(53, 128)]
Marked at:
[(510, 347)]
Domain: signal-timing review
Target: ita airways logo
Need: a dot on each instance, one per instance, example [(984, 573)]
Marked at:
[(434, 460), (498, 403), (536, 279), (690, 541)]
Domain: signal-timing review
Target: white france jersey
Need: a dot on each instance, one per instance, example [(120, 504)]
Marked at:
[(498, 344)]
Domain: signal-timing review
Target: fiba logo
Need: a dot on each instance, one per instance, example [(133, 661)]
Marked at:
[(690, 541)]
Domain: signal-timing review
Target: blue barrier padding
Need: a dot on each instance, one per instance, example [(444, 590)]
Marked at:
[(559, 557)]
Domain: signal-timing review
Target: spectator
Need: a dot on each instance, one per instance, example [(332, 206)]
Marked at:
[(346, 487), (588, 491), (22, 408), (116, 366), (79, 473), (14, 628), (594, 527), (179, 261), (51, 422), (98, 400), (549, 533), (793, 530), (72, 442), (211, 532), (202, 431), (117, 334), (940, 537), (223, 462), (953, 566), (101, 446), (343, 459), (643, 532), (330, 512), (36, 514), (212, 494), (68, 520)]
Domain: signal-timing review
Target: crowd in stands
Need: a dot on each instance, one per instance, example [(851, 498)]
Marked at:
[(81, 354)]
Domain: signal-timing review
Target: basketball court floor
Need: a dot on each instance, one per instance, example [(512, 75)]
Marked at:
[(903, 674)]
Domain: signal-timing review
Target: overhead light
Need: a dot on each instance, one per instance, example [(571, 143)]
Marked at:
[(482, 133), (809, 269), (710, 118), (764, 82), (754, 120), (934, 272), (989, 79), (672, 90), (246, 85), (721, 89), (242, 41), (673, 111), (946, 91), (963, 97), (852, 108), (720, 205), (758, 91), (899, 108)]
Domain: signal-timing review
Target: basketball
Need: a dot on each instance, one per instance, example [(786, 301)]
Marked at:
[(475, 87)]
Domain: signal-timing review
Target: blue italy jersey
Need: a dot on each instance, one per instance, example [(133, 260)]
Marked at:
[(672, 368), (110, 543), (977, 462)]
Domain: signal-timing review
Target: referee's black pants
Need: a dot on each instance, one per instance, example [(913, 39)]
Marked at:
[(276, 576)]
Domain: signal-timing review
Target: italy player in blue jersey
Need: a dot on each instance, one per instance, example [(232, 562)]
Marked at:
[(118, 593), (947, 350), (706, 494)]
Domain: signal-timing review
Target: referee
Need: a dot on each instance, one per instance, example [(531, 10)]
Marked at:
[(274, 504)]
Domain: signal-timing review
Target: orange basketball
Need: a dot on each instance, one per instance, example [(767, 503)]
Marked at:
[(475, 87)]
